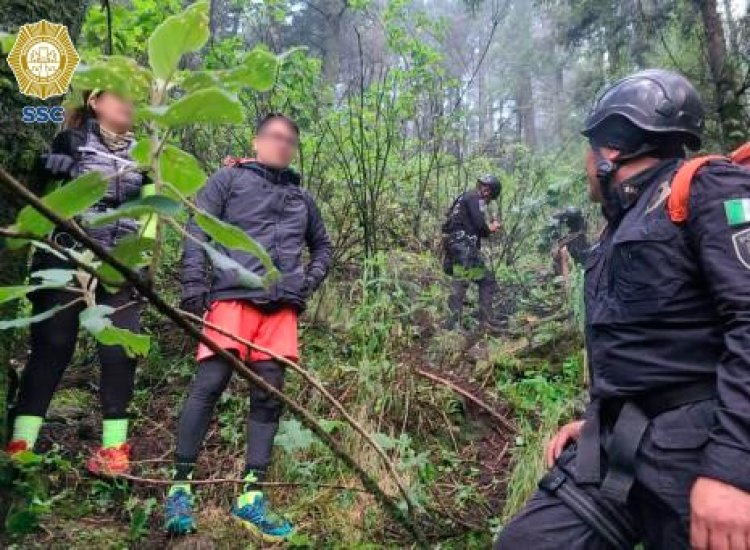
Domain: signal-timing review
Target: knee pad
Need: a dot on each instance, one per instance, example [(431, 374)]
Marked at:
[(263, 406)]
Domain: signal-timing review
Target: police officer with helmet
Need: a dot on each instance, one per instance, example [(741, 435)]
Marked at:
[(465, 227), (662, 454)]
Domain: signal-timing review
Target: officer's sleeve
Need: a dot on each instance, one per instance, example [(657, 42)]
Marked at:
[(476, 215), (723, 246), (195, 264)]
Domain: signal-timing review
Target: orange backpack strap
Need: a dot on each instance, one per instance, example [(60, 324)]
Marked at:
[(741, 155), (679, 196)]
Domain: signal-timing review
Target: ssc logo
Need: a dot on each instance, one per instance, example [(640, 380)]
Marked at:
[(43, 59)]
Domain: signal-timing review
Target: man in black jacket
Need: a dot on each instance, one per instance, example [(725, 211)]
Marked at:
[(262, 197), (463, 231), (662, 454)]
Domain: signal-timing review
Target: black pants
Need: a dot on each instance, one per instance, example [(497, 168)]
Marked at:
[(659, 502), (53, 342), (464, 253), (209, 383)]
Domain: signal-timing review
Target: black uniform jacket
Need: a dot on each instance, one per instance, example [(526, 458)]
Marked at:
[(669, 304)]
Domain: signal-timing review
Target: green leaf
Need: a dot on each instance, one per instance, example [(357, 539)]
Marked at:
[(243, 276), (152, 204), (22, 522), (26, 321), (67, 201), (197, 80), (233, 237), (115, 73), (6, 41), (53, 277), (141, 152), (10, 293), (257, 70), (95, 319), (134, 251), (181, 170), (177, 35), (293, 436), (205, 106)]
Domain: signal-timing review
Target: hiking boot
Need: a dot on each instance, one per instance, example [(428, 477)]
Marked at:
[(256, 517), (178, 512), (110, 461)]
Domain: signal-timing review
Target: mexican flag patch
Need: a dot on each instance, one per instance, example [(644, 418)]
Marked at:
[(738, 211)]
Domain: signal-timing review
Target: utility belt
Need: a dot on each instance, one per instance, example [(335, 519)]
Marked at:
[(602, 507), (460, 236)]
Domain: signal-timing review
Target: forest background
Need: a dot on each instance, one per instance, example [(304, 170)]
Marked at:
[(402, 104)]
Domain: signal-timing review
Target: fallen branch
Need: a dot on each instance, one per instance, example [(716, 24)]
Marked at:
[(504, 422), (216, 481), (142, 286)]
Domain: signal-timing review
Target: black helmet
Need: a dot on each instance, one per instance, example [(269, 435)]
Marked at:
[(493, 183), (655, 101)]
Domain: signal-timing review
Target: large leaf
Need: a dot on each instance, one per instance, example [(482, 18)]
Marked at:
[(243, 277), (293, 436), (26, 321), (181, 169), (177, 35), (95, 319), (67, 201), (134, 251), (6, 41), (205, 106), (257, 70), (152, 204), (233, 237), (115, 73), (55, 277), (45, 278), (9, 293)]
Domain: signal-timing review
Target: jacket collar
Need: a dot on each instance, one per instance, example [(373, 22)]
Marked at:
[(279, 176), (627, 193)]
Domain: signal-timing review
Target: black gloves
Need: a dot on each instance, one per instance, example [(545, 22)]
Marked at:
[(58, 165), (197, 305)]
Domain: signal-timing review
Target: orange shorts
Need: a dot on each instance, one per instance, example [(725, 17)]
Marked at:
[(275, 331)]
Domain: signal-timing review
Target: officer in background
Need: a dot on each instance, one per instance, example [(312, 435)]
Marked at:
[(571, 244), (662, 454), (465, 227)]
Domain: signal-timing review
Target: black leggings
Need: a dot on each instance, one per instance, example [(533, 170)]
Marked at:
[(263, 418), (53, 342)]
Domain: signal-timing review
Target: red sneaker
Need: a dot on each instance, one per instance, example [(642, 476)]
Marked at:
[(16, 446), (111, 461)]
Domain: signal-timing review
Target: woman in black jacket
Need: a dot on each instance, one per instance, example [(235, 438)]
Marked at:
[(97, 137)]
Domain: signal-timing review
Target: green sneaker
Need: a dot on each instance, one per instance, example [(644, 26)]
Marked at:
[(252, 512), (179, 512)]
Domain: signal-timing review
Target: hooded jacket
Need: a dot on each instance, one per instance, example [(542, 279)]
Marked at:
[(272, 208)]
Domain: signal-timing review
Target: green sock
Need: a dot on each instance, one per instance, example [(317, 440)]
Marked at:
[(114, 432), (250, 491), (26, 428), (187, 487)]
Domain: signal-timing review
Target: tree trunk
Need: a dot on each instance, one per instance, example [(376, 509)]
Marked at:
[(729, 109), (20, 146)]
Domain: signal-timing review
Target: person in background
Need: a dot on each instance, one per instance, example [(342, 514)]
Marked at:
[(465, 227), (570, 247), (97, 136), (264, 198), (661, 456)]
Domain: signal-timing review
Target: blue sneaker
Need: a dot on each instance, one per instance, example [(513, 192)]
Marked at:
[(179, 512), (252, 512)]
